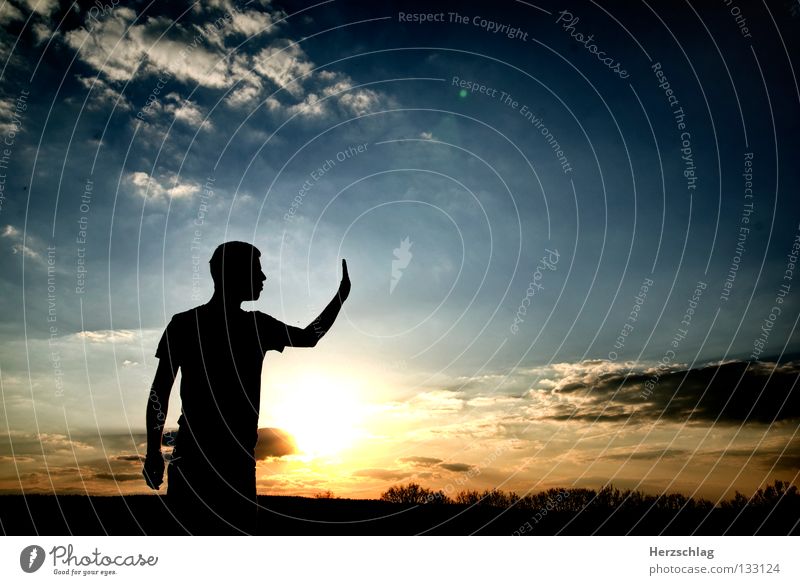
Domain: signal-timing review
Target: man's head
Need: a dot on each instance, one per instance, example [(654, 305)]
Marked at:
[(236, 271)]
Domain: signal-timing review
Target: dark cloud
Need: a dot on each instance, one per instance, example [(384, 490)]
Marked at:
[(779, 458), (647, 455), (457, 467), (730, 393), (420, 461), (788, 461), (782, 458), (138, 458), (274, 443), (118, 476)]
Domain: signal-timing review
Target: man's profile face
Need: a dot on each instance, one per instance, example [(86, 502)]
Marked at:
[(257, 280)]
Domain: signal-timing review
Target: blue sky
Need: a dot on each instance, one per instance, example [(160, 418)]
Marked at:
[(330, 130)]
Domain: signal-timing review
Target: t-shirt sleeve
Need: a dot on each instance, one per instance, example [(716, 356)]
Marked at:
[(272, 334), (170, 344)]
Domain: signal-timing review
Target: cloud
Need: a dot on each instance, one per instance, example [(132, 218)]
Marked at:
[(165, 186), (421, 461), (781, 457), (138, 458), (274, 443), (10, 231), (355, 101), (107, 335), (118, 476), (75, 462), (108, 48), (646, 454), (428, 462), (457, 467), (187, 112), (729, 393), (41, 31), (42, 7), (208, 53), (158, 46), (9, 13), (252, 22), (26, 251), (437, 401), (103, 95), (12, 459), (283, 65), (20, 248), (19, 444)]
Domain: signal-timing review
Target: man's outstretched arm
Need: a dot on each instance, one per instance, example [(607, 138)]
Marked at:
[(310, 335), (157, 404)]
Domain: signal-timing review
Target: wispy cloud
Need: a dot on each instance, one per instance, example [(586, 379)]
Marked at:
[(166, 186)]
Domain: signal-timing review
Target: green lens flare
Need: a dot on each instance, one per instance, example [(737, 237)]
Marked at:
[(463, 93)]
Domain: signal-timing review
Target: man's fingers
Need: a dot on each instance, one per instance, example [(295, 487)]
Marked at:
[(154, 477)]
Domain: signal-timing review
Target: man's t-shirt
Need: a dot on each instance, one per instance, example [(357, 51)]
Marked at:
[(220, 356)]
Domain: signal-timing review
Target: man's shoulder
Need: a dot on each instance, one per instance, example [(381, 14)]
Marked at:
[(188, 315)]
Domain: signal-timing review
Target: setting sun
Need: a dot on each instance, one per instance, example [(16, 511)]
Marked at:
[(323, 413)]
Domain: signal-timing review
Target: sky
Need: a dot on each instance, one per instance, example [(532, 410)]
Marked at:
[(571, 230)]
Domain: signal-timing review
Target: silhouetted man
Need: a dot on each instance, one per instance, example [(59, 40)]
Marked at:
[(220, 349)]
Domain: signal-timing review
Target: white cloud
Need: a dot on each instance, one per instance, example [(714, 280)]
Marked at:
[(26, 251), (117, 50), (18, 246), (107, 335), (9, 13), (108, 48), (359, 101), (103, 95), (356, 101), (312, 106), (41, 31), (10, 232), (42, 7), (243, 95), (188, 112), (251, 22), (166, 186), (196, 54), (9, 118), (282, 65)]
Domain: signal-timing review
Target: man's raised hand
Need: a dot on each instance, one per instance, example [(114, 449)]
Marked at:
[(344, 285)]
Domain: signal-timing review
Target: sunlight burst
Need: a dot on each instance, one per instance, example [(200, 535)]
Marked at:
[(322, 412)]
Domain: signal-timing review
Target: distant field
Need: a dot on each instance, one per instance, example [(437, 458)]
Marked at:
[(138, 515)]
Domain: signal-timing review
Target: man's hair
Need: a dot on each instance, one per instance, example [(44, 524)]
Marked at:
[(235, 256)]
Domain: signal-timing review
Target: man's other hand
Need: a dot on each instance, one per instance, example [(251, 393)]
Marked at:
[(153, 470)]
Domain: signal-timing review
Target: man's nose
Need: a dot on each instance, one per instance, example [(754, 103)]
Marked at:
[(263, 277)]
